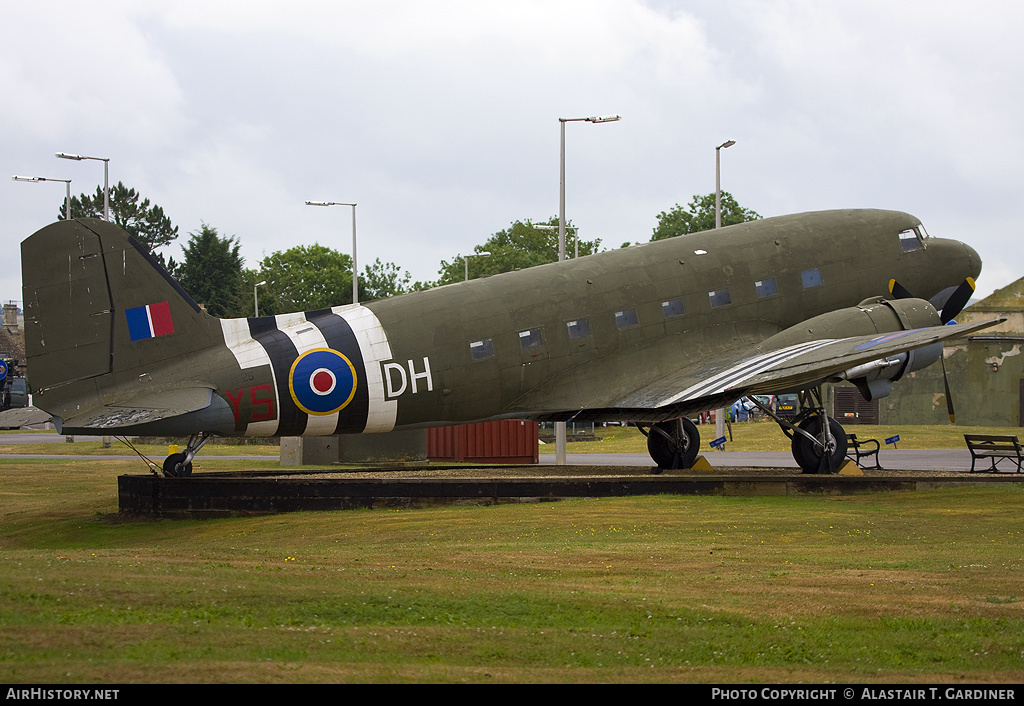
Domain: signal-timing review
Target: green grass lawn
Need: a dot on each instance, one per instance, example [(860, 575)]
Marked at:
[(919, 587)]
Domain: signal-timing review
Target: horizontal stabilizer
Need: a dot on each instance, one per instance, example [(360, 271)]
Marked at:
[(142, 410), (23, 417)]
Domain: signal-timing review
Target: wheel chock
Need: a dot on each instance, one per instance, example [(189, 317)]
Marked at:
[(849, 468), (701, 464)]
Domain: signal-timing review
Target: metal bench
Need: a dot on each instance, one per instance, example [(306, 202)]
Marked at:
[(996, 447), (864, 448)]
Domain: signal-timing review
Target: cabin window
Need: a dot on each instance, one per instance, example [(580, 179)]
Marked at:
[(578, 328), (913, 238), (811, 278), (766, 287), (626, 318), (481, 349), (530, 338), (672, 308), (720, 297)]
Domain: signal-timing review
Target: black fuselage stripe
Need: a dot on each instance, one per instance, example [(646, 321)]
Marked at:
[(340, 337), (282, 352)]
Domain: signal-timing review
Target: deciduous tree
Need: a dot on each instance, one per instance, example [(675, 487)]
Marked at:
[(700, 215)]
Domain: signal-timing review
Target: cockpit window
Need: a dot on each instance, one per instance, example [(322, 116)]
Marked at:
[(913, 238)]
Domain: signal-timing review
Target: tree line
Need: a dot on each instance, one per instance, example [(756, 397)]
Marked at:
[(309, 277)]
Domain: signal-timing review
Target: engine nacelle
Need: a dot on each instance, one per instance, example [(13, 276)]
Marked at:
[(871, 317), (875, 379)]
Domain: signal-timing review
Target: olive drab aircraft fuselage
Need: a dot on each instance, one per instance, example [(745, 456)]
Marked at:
[(648, 334)]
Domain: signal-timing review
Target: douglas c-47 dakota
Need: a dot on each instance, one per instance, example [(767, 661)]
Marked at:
[(648, 335)]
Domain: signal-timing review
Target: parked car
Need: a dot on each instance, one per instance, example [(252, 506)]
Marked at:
[(788, 406)]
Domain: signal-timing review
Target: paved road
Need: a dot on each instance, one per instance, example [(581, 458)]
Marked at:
[(891, 459)]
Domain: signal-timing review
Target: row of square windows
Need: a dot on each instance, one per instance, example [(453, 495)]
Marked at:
[(628, 318)]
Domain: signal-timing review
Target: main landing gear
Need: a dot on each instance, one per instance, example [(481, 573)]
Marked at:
[(818, 441), (673, 444), (179, 465)]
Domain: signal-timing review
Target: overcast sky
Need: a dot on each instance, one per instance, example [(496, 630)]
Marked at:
[(440, 119)]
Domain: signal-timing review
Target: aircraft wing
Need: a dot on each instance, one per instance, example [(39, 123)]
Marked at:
[(799, 365)]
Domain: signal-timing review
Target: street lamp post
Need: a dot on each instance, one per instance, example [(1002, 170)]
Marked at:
[(560, 426), (465, 260), (67, 197), (718, 180), (719, 414), (106, 178), (255, 300), (355, 267)]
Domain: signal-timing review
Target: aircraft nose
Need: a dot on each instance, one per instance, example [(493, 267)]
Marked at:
[(973, 260)]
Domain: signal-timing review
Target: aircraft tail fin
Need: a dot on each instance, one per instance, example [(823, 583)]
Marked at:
[(98, 304)]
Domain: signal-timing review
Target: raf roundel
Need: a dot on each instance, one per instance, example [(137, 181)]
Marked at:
[(322, 381)]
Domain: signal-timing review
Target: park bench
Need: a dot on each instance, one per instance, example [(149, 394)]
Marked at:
[(864, 448), (996, 447)]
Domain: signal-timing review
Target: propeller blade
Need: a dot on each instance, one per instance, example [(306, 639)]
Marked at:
[(957, 300), (898, 290), (949, 397)]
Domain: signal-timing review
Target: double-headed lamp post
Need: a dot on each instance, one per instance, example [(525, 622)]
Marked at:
[(719, 414), (106, 178), (560, 426), (355, 267), (575, 232), (465, 260), (67, 184)]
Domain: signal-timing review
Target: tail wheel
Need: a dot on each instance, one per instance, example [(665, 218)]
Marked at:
[(175, 466), (810, 456), (674, 444)]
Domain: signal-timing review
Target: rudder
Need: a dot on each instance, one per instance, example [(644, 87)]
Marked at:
[(93, 296)]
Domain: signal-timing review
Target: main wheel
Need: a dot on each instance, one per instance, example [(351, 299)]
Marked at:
[(674, 444), (809, 456), (175, 466)]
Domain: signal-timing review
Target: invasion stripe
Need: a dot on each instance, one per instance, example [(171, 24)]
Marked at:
[(340, 337), (282, 351), (250, 354), (743, 371)]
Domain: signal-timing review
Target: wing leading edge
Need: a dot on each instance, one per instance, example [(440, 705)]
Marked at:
[(796, 366)]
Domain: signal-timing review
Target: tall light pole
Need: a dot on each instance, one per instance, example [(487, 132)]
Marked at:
[(560, 426), (561, 174), (719, 414), (355, 267), (465, 260), (106, 178), (718, 180), (255, 300), (67, 184)]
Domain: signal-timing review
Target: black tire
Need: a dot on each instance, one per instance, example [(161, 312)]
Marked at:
[(807, 455), (175, 467), (666, 447)]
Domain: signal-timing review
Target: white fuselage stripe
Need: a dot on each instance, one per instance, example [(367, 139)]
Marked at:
[(251, 354), (373, 344)]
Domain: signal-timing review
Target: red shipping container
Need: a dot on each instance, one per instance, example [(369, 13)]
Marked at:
[(505, 441)]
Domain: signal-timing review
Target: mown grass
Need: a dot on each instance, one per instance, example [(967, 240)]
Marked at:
[(914, 587)]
